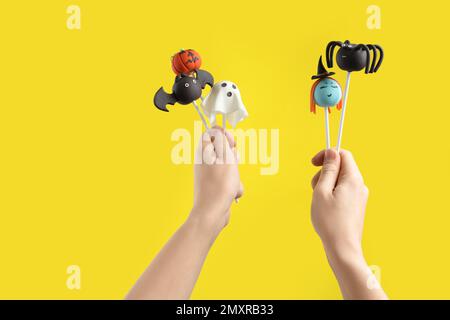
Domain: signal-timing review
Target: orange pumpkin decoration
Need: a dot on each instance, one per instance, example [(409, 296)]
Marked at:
[(186, 61)]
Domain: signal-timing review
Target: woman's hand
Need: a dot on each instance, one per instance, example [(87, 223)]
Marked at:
[(174, 271), (216, 179), (339, 201), (337, 212)]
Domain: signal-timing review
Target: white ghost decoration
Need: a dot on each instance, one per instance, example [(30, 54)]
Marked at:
[(225, 99)]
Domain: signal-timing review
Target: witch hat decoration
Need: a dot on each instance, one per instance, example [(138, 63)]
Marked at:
[(321, 71)]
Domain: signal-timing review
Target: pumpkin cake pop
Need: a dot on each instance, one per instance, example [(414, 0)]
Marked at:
[(186, 61)]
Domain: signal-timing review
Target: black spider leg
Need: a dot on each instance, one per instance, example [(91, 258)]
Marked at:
[(381, 57), (330, 51), (374, 60), (364, 47)]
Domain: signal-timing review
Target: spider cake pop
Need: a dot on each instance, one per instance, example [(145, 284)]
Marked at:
[(326, 93), (353, 57)]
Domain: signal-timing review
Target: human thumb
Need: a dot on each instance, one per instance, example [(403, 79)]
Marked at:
[(330, 171)]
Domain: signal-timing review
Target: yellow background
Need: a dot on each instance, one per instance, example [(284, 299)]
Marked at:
[(85, 170)]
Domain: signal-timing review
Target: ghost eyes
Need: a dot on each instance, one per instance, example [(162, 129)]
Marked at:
[(225, 84), (334, 87), (229, 93)]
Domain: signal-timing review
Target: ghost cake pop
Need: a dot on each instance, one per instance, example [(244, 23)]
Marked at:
[(351, 58), (225, 99), (325, 92)]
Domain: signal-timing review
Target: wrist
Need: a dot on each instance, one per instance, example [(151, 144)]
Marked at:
[(205, 223), (211, 207), (344, 254)]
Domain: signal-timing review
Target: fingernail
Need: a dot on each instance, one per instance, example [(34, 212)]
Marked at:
[(330, 155)]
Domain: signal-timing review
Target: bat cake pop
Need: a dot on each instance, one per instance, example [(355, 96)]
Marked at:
[(185, 90), (351, 58), (189, 82), (325, 92), (225, 99)]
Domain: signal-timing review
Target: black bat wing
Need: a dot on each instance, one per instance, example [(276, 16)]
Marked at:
[(162, 98), (205, 78)]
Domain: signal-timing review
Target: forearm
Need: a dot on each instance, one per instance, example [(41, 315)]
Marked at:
[(354, 276), (174, 271)]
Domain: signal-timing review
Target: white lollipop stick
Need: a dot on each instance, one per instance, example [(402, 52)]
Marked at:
[(327, 128), (224, 122), (200, 114), (201, 104), (341, 124)]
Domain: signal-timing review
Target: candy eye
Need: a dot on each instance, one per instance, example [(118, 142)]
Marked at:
[(224, 84), (186, 85)]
